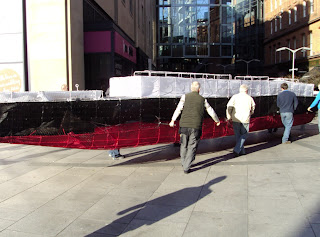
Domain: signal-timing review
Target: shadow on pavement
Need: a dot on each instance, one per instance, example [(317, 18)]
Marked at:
[(150, 212), (263, 138)]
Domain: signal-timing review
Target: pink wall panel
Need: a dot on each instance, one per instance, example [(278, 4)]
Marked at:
[(124, 48), (97, 42)]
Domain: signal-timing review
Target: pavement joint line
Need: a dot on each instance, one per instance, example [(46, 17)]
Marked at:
[(304, 144)]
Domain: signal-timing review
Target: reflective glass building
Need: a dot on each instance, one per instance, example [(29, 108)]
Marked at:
[(202, 35), (193, 33)]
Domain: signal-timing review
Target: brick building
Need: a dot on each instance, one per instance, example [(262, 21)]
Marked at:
[(291, 24)]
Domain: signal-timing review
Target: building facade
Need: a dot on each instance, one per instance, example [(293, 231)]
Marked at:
[(118, 39), (210, 35), (194, 35), (46, 44), (291, 24)]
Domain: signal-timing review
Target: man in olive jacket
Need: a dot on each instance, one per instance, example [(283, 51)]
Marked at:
[(192, 106)]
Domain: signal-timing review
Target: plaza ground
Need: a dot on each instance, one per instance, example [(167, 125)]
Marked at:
[(274, 190)]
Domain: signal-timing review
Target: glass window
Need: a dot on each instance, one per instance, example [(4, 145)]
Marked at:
[(190, 2), (202, 15), (215, 33), (214, 1), (165, 34), (190, 34), (271, 27), (311, 6), (190, 15), (164, 2), (275, 24), (191, 50), (289, 17), (280, 22), (202, 50), (214, 50), (226, 15), (215, 13), (295, 14), (164, 50), (163, 15), (304, 9), (202, 34), (176, 2), (177, 50), (226, 50), (202, 2), (226, 34), (177, 33), (228, 2)]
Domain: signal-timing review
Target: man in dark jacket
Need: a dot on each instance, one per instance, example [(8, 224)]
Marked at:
[(192, 106), (287, 102)]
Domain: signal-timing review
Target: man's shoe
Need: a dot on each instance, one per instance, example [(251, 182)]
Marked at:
[(287, 142), (186, 171), (235, 154)]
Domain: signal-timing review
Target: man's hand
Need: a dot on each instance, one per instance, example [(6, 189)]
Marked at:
[(309, 109), (218, 123), (171, 124)]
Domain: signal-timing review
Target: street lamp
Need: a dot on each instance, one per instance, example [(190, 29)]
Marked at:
[(293, 51), (247, 62), (224, 67)]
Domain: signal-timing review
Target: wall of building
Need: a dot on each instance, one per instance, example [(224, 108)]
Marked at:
[(137, 19), (55, 44), (47, 44), (12, 73), (283, 30), (75, 44)]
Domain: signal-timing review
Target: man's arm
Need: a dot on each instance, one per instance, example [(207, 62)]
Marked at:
[(178, 110), (315, 102), (230, 107), (296, 102), (211, 112)]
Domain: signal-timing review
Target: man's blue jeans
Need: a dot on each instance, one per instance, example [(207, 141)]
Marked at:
[(114, 153), (241, 133), (287, 121)]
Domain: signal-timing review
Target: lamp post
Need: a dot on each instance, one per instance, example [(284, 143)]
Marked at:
[(224, 67), (293, 51), (247, 62)]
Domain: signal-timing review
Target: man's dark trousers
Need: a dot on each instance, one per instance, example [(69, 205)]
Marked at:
[(189, 139)]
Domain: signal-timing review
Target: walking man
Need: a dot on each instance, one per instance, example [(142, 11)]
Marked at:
[(315, 103), (192, 106), (239, 110), (287, 102)]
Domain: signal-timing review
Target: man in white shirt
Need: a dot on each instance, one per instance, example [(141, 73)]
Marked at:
[(239, 110)]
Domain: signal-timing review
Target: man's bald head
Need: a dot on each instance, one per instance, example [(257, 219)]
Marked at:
[(195, 86)]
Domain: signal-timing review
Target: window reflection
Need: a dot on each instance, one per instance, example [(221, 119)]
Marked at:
[(195, 28)]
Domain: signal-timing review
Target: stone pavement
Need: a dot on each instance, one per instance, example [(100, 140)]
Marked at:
[(274, 190)]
